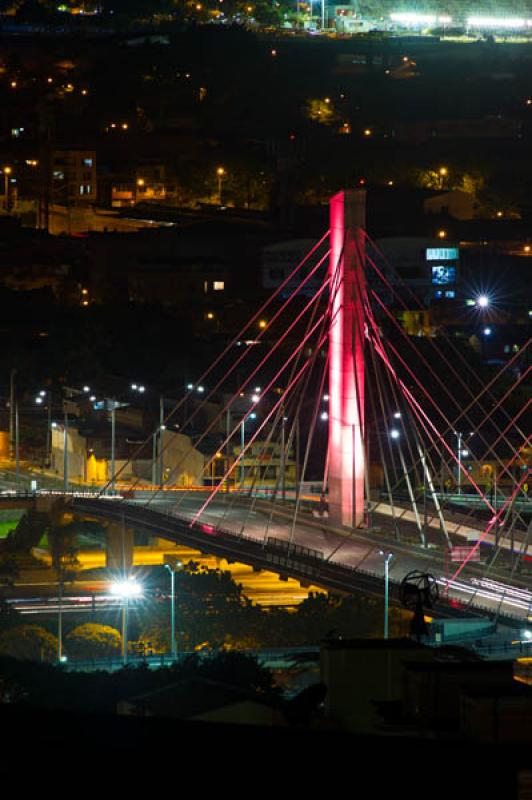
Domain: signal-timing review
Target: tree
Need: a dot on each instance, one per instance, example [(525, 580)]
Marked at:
[(93, 641), (28, 643)]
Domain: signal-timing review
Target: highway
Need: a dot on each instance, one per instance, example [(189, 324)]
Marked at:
[(167, 514), (345, 560)]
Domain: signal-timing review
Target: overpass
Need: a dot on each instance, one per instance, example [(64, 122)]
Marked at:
[(347, 562)]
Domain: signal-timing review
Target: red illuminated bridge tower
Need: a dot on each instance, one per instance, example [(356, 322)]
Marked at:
[(346, 359)]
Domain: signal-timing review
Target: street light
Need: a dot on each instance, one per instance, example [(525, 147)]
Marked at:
[(172, 571), (242, 446), (125, 590), (220, 174), (461, 452), (483, 301), (7, 173), (387, 558), (40, 400)]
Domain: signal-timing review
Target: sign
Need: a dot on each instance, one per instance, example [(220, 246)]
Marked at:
[(461, 553), (441, 254)]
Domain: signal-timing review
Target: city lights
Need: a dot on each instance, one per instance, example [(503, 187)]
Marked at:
[(413, 19), (483, 301), (510, 23)]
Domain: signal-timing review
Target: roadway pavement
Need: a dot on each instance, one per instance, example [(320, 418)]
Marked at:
[(493, 591)]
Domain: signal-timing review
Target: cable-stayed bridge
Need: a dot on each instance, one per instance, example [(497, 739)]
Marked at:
[(360, 441)]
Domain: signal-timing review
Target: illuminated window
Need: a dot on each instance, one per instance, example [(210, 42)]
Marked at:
[(218, 286), (87, 162), (451, 294)]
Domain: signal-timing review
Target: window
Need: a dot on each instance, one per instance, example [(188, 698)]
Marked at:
[(85, 188), (59, 175), (87, 162), (218, 286), (450, 295)]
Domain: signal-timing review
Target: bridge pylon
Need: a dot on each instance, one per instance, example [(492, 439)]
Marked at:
[(346, 358)]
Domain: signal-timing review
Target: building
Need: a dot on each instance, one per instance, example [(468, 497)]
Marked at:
[(427, 267), (264, 467), (280, 259), (455, 204), (73, 177), (359, 673), (89, 449)]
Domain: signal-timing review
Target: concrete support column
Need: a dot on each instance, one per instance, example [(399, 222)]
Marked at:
[(346, 359), (119, 547)]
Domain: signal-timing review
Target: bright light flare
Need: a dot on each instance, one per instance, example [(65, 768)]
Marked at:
[(412, 18), (126, 589), (483, 301), (511, 23)]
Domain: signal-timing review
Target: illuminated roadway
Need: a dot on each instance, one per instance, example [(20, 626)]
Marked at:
[(357, 551)]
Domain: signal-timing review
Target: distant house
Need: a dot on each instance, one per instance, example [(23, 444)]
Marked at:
[(455, 204)]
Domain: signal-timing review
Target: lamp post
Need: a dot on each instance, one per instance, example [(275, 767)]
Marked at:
[(113, 444), (40, 400), (162, 428), (65, 449), (157, 470), (125, 590), (172, 571), (387, 558), (12, 412), (7, 173), (138, 186), (243, 444), (220, 174), (461, 453)]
